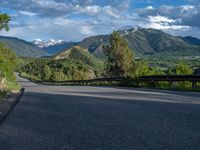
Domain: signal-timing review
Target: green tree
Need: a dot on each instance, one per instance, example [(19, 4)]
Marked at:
[(119, 58), (4, 20), (58, 75), (142, 68), (47, 72), (183, 68)]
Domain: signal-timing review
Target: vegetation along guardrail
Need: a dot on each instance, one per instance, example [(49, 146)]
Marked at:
[(150, 79)]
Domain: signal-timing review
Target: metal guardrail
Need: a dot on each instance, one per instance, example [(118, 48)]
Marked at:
[(172, 79), (181, 77), (93, 80), (154, 78)]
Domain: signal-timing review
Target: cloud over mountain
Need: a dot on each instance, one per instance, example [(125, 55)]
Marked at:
[(76, 19)]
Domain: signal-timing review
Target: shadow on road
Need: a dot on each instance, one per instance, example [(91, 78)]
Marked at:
[(55, 121)]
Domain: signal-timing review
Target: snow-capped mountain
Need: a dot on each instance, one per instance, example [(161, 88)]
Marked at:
[(53, 46), (47, 43)]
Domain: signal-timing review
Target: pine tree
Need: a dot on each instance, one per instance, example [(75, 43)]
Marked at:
[(119, 57)]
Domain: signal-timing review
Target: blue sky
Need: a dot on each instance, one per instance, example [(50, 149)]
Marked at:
[(73, 20)]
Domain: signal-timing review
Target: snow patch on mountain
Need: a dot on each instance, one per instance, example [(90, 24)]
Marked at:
[(126, 32), (46, 43)]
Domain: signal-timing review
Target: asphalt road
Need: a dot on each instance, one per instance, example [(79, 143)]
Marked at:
[(101, 118)]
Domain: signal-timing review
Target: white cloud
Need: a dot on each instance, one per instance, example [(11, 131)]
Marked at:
[(14, 23), (96, 10), (149, 7), (64, 21), (51, 4), (90, 10), (189, 9), (164, 23), (188, 14), (161, 19), (28, 13), (111, 11), (86, 30), (166, 27), (76, 19), (58, 28)]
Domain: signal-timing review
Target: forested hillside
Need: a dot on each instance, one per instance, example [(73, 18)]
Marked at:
[(72, 64)]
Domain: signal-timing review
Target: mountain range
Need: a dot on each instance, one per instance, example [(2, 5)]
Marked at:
[(23, 48), (191, 40), (46, 43), (53, 46), (141, 41), (146, 42)]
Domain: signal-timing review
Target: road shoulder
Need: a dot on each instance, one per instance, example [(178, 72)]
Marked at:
[(9, 103)]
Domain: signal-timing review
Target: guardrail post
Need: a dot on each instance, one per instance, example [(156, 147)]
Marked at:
[(194, 84), (172, 84), (152, 84)]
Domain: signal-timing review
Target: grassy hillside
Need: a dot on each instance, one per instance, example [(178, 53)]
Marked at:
[(22, 48)]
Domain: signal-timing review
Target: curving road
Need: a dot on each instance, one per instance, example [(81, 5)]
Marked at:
[(101, 118)]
